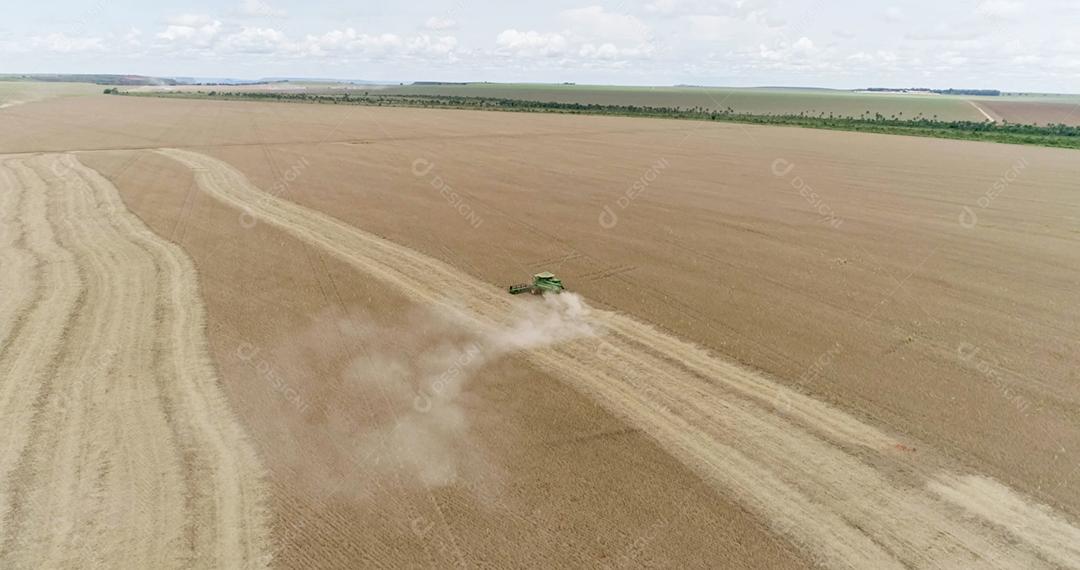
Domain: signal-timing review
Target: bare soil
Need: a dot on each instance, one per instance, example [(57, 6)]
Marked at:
[(1034, 112), (883, 316)]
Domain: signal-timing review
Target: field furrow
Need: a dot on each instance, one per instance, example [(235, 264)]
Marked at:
[(34, 338), (843, 490), (128, 456), (18, 281)]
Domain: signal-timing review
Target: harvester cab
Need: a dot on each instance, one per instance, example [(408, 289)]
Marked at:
[(545, 282)]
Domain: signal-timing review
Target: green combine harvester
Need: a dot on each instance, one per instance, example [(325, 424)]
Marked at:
[(545, 282)]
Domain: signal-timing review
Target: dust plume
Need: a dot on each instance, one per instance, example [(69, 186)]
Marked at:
[(426, 381), (389, 395)]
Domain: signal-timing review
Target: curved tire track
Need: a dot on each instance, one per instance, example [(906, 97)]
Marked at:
[(830, 483), (124, 452)]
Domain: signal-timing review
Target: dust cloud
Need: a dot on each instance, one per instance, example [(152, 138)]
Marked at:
[(389, 395), (427, 377)]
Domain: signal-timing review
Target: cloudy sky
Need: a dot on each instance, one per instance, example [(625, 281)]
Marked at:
[(1021, 45)]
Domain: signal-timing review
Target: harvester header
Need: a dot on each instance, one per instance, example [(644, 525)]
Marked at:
[(545, 282)]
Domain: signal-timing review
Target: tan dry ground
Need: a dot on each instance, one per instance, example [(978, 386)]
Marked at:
[(14, 93), (1033, 112), (716, 250), (119, 449), (547, 478)]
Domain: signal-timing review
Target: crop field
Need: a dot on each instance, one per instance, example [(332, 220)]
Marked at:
[(249, 335), (756, 101), (1027, 109), (18, 92), (1033, 109), (745, 100), (1037, 111)]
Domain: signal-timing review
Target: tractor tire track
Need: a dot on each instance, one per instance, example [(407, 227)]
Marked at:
[(34, 335), (833, 485), (980, 109), (14, 258), (126, 453)]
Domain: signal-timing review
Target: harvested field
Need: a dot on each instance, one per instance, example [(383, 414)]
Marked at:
[(698, 407), (542, 467), (13, 93), (1034, 112), (119, 449), (875, 376)]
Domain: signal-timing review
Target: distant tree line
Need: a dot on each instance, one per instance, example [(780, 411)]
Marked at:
[(100, 79), (974, 92)]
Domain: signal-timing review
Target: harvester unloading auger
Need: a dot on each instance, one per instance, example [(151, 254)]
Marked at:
[(545, 282)]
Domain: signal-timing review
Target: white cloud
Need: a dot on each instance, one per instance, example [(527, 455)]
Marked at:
[(768, 20), (189, 20), (740, 42), (758, 11), (256, 40), (191, 29), (63, 43), (609, 52), (603, 51), (429, 46), (953, 59), (133, 37), (531, 43), (259, 9), (999, 8), (590, 35), (800, 53), (708, 28), (350, 43), (664, 7), (595, 22), (748, 29), (941, 31), (439, 24), (888, 56), (881, 57)]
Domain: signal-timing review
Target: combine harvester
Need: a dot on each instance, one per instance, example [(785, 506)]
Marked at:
[(545, 282)]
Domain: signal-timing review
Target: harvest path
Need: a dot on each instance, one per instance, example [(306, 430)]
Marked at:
[(979, 108), (847, 493), (118, 449)]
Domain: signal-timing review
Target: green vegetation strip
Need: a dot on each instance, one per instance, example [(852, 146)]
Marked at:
[(1052, 135)]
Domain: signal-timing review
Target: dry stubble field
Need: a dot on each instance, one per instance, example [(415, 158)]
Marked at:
[(743, 381), (1039, 112)]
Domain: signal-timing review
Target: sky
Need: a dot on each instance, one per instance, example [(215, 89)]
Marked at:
[(1012, 45)]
